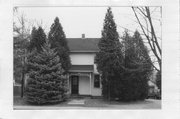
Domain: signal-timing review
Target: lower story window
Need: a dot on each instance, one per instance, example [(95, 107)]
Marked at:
[(96, 81)]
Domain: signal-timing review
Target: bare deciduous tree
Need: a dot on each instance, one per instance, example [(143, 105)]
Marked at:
[(147, 26), (21, 38), (21, 28), (145, 20)]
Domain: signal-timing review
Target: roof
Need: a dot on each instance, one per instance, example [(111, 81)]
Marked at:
[(81, 68), (83, 44)]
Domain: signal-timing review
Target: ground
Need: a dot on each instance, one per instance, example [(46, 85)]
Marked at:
[(89, 103)]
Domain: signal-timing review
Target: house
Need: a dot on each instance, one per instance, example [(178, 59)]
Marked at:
[(83, 78), (153, 91)]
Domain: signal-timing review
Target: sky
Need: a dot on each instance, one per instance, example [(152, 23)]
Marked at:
[(81, 20), (86, 20)]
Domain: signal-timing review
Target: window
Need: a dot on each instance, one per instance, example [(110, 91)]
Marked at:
[(96, 81)]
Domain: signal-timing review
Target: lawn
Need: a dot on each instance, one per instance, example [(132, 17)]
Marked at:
[(89, 103)]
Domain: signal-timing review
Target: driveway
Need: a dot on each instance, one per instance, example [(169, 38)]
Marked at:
[(89, 103)]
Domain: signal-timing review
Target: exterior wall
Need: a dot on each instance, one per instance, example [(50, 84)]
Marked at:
[(95, 91), (84, 81), (69, 85), (95, 69), (84, 85), (82, 58)]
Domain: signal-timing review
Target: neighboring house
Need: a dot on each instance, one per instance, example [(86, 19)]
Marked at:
[(152, 87), (153, 90), (152, 82), (83, 76)]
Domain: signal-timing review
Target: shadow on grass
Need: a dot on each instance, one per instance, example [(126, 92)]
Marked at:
[(19, 101)]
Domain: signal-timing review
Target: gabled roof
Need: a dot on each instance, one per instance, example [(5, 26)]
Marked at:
[(83, 44)]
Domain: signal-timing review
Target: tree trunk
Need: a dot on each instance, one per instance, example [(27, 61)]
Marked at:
[(22, 80), (109, 91), (22, 84)]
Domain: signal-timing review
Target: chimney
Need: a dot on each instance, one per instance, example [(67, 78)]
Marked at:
[(83, 36)]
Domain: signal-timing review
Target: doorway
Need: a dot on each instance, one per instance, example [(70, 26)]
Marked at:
[(75, 85)]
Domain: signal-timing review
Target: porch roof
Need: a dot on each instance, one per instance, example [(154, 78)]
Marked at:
[(81, 68)]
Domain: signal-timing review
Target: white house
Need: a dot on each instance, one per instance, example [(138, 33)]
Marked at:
[(83, 76)]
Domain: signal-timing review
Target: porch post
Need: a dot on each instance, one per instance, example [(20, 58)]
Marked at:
[(68, 83), (90, 82)]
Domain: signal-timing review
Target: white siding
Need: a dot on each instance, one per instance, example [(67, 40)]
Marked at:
[(84, 85), (95, 69), (82, 58), (95, 91), (84, 81)]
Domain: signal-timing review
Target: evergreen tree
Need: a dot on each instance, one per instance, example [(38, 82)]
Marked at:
[(38, 38), (138, 68), (45, 84), (57, 39), (109, 58)]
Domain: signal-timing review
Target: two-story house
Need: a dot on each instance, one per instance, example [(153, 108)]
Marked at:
[(83, 76)]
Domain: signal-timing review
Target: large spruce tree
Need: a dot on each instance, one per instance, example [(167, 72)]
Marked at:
[(109, 58), (138, 68), (57, 39), (46, 83)]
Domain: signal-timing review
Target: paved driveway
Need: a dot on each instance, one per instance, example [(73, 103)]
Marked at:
[(88, 103)]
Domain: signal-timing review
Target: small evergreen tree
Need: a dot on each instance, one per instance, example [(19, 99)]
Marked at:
[(110, 57), (38, 38), (45, 84), (57, 39)]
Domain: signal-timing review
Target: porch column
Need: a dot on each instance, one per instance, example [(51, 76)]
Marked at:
[(90, 82), (68, 83)]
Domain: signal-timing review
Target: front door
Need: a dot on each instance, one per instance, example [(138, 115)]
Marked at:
[(74, 85)]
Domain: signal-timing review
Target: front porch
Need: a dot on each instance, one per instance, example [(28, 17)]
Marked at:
[(82, 81)]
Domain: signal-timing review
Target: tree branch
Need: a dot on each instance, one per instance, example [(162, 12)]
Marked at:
[(153, 41), (152, 29)]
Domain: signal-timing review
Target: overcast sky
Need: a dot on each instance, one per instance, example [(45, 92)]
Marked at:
[(87, 20)]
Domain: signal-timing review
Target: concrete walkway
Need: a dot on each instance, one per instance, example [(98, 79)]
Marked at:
[(76, 102)]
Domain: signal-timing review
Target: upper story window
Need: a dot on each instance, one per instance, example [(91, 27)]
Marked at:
[(96, 81)]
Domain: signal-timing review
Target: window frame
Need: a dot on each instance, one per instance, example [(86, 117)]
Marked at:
[(95, 85)]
